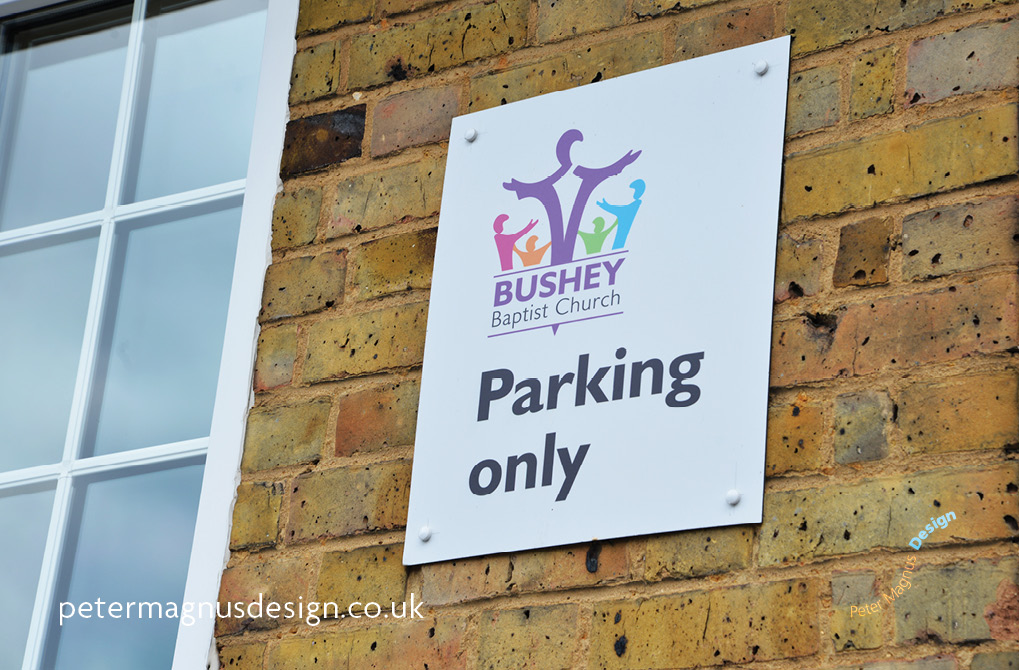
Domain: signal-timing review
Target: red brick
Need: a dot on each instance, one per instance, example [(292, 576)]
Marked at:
[(315, 142), (377, 417), (413, 118)]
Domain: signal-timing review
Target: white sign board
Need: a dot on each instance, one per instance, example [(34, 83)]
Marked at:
[(598, 343)]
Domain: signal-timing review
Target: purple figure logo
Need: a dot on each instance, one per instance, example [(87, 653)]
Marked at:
[(563, 233), (504, 242)]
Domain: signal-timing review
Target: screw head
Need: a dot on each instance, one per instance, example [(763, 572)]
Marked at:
[(425, 534), (471, 135), (733, 497), (761, 67)]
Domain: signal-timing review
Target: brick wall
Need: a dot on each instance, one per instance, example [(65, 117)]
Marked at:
[(894, 379)]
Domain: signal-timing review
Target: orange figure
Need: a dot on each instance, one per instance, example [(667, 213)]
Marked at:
[(532, 256)]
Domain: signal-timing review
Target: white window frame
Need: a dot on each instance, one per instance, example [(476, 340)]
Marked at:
[(195, 645)]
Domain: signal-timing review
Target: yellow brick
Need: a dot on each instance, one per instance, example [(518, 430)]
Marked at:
[(295, 217), (794, 438), (818, 25), (242, 656), (411, 645), (465, 579), (569, 567), (970, 601), (391, 264), (602, 61), (437, 43), (873, 83), (256, 514), (285, 435), (693, 553), (813, 99), (277, 352), (813, 523), (344, 501), (701, 628), (303, 285), (961, 414), (370, 574), (646, 8), (538, 638), (928, 158), (363, 343), (318, 15), (378, 199), (559, 19), (272, 578), (859, 628), (316, 72)]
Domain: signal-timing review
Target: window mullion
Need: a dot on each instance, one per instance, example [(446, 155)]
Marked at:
[(125, 115), (48, 573)]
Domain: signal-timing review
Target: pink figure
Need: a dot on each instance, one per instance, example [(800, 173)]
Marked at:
[(504, 241), (532, 256)]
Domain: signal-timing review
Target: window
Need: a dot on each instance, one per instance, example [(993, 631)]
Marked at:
[(134, 234)]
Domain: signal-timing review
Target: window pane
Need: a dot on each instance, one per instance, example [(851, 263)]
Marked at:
[(196, 102), (60, 115), (44, 292), (24, 522), (133, 541), (159, 358)]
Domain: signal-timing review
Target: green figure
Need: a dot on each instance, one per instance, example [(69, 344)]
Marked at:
[(593, 241)]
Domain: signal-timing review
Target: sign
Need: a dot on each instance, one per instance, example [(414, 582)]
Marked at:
[(597, 353)]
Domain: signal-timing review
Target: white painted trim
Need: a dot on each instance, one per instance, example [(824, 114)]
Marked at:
[(211, 548)]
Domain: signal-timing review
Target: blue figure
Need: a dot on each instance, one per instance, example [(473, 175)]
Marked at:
[(625, 214)]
